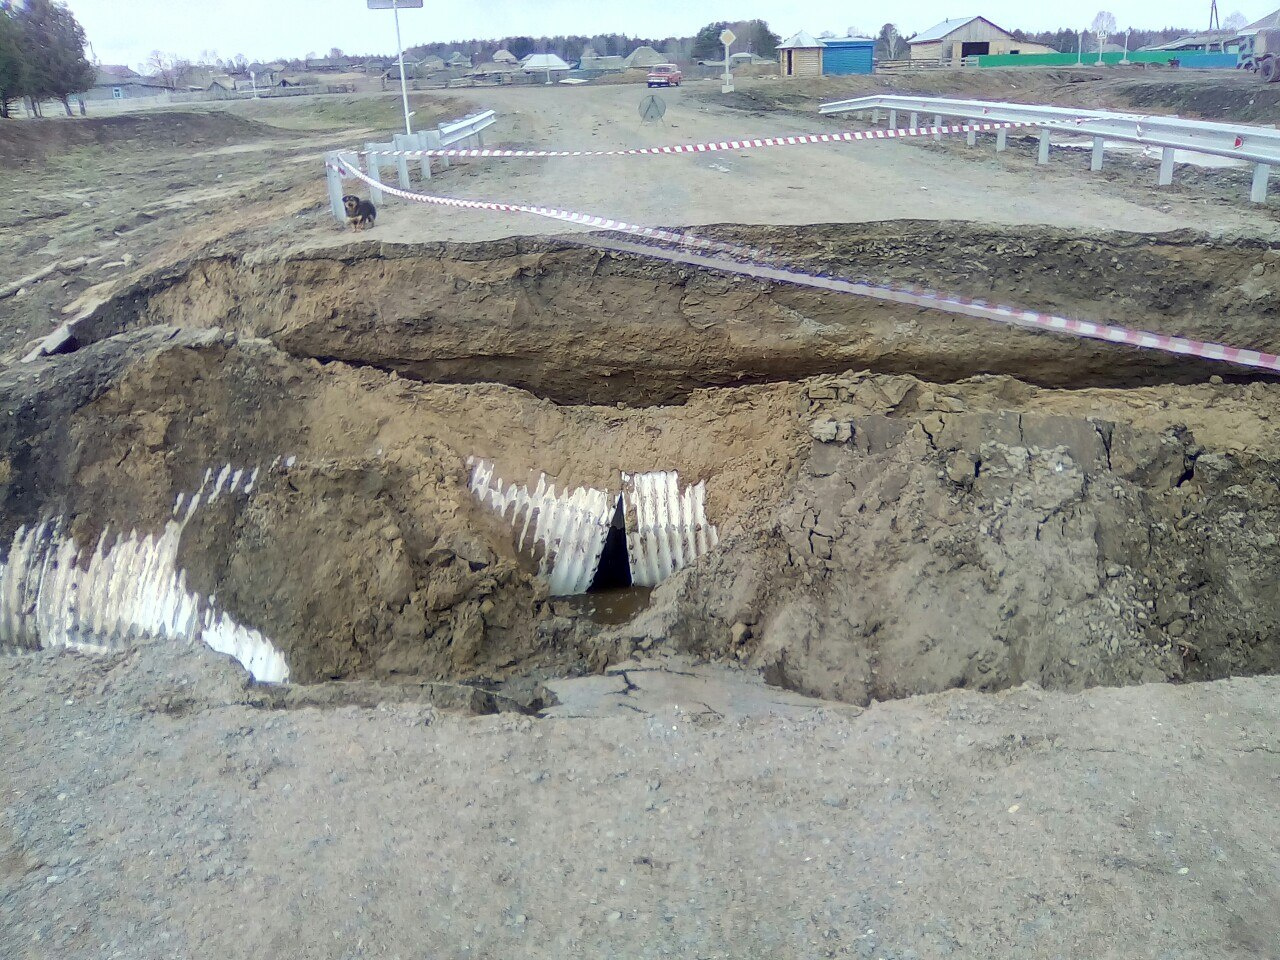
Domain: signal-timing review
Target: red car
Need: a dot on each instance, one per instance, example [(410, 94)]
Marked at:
[(665, 75)]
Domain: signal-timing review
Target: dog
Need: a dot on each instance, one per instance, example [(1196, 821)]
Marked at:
[(360, 213)]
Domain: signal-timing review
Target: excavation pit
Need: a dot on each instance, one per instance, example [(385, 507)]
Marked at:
[(494, 462)]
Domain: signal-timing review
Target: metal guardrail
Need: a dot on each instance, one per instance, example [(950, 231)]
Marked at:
[(468, 129), (1238, 141)]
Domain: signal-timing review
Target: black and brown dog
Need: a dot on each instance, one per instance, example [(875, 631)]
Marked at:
[(360, 213)]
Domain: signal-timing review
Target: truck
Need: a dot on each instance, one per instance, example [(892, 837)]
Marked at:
[(1261, 53), (665, 75)]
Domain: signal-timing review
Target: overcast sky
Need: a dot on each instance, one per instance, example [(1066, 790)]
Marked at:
[(264, 29)]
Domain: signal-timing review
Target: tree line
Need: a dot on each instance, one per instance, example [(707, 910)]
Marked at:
[(753, 35), (41, 55)]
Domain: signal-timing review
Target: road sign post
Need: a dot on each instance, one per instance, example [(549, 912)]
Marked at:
[(727, 37), (395, 6), (652, 109)]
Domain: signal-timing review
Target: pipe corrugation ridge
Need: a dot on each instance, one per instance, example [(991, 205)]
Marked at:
[(129, 588), (667, 527), (570, 527)]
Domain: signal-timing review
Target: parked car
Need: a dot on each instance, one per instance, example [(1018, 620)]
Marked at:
[(665, 75)]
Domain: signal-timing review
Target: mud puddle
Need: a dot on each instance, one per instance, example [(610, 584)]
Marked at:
[(611, 607)]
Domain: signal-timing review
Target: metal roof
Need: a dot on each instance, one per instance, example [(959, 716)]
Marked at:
[(943, 29), (1270, 22), (801, 40), (1195, 40), (544, 61)]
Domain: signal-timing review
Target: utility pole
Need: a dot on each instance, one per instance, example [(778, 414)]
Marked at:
[(395, 6)]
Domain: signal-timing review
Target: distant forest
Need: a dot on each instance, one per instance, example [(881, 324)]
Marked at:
[(754, 36)]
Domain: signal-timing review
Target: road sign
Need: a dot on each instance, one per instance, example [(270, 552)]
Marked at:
[(727, 37), (395, 4), (652, 108)]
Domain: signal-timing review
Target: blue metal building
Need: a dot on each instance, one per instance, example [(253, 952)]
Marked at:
[(845, 55)]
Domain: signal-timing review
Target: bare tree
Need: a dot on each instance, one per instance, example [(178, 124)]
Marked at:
[(1103, 26), (171, 69), (1236, 22)]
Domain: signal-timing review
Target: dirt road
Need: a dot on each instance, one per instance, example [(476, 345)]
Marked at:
[(149, 814), (848, 183)]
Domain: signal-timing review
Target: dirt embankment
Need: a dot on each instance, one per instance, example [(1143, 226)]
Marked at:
[(581, 325), (985, 534), (37, 139)]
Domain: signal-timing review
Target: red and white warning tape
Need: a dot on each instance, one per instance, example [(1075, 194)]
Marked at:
[(749, 262), (717, 145)]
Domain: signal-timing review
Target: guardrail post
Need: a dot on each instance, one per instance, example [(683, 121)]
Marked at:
[(402, 142), (915, 120), (479, 140), (1002, 141), (875, 117), (374, 169), (437, 143), (937, 122), (1261, 174), (972, 138), (424, 165), (1095, 163), (1166, 167), (1044, 147), (893, 119), (335, 186)]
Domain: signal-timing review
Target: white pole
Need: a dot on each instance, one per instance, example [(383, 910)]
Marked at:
[(1125, 59), (253, 79), (1080, 49), (404, 87)]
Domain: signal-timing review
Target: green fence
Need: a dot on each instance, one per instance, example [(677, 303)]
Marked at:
[(1190, 60)]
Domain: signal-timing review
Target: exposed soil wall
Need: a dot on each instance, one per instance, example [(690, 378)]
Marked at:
[(585, 326), (933, 541)]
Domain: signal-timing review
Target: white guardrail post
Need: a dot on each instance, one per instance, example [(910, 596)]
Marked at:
[(334, 176), (374, 169), (403, 141), (437, 143), (1258, 190), (424, 165), (1238, 141)]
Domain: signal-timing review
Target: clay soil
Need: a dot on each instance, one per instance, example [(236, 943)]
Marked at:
[(977, 588)]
